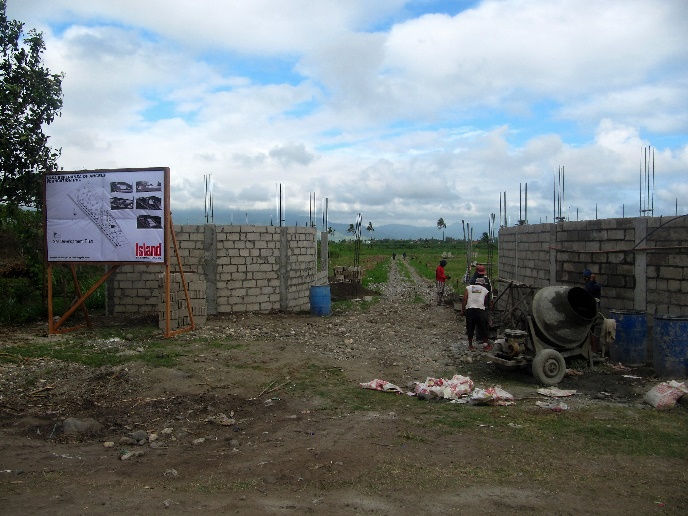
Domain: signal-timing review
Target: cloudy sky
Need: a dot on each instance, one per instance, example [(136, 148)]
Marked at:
[(406, 111)]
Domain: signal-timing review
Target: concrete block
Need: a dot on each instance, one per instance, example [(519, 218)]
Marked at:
[(616, 234), (674, 286), (670, 272)]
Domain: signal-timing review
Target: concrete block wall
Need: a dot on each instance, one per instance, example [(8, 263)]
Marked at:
[(248, 266), (302, 266), (642, 262), (245, 268), (179, 311), (136, 289), (666, 265)]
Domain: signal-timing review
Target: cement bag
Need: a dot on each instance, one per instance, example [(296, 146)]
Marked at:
[(664, 395)]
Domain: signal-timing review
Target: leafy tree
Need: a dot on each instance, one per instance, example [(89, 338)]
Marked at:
[(485, 239), (370, 227), (330, 230), (351, 229), (30, 98), (441, 225)]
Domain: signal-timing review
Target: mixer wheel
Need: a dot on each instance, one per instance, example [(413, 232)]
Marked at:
[(549, 367)]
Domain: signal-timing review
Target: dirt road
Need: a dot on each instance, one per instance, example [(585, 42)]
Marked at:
[(263, 414)]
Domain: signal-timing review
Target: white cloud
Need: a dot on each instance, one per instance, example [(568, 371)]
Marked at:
[(434, 117)]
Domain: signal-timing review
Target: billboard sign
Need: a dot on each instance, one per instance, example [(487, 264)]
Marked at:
[(107, 215)]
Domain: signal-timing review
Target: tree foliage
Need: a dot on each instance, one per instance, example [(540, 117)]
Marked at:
[(30, 98), (370, 227), (441, 224)]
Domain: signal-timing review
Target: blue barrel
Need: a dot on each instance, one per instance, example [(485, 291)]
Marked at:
[(670, 346), (629, 346), (320, 300)]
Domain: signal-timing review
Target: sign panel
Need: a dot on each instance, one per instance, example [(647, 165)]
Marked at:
[(106, 216)]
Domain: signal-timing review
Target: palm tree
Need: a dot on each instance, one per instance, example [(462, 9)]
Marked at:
[(370, 227), (441, 225), (351, 229)]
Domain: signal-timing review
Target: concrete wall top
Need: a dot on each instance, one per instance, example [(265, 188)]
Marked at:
[(641, 262)]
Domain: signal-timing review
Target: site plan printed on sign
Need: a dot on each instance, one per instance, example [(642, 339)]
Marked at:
[(106, 216)]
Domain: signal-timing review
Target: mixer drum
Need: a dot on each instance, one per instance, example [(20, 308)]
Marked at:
[(562, 316)]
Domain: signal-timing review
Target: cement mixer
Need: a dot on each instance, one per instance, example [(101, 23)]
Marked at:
[(558, 328)]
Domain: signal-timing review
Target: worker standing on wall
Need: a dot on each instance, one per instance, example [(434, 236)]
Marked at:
[(476, 300), (440, 280)]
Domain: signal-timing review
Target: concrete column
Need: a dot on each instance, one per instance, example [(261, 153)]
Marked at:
[(552, 254), (210, 267), (640, 265), (284, 269), (324, 252)]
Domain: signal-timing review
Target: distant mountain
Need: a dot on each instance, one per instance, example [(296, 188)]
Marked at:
[(267, 217)]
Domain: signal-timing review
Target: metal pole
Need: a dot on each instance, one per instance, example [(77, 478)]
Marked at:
[(640, 184), (506, 220), (563, 184), (653, 182)]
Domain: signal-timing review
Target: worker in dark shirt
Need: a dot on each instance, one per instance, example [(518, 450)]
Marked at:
[(591, 286), (479, 278)]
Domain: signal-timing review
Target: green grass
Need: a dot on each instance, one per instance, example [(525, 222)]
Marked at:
[(594, 431), (404, 271), (97, 352), (348, 305), (378, 274), (425, 260)]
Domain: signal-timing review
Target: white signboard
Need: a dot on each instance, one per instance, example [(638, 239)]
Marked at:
[(106, 216)]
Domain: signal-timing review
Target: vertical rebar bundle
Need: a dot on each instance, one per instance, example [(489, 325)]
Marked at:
[(559, 194), (490, 244), (357, 243), (647, 181), (208, 212)]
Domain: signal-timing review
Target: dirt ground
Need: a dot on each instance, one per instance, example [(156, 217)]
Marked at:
[(263, 414)]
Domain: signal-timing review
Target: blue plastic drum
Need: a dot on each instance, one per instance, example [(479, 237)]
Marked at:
[(670, 346), (320, 300), (629, 346)]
